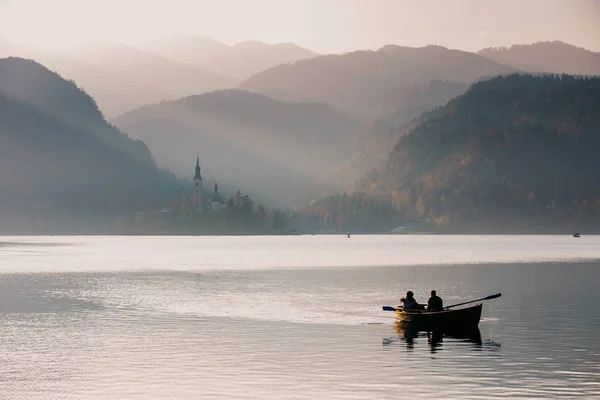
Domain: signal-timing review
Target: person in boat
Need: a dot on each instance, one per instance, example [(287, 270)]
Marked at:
[(435, 302), (409, 302)]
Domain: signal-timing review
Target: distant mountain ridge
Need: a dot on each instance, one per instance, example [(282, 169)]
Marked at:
[(554, 57), (122, 77), (252, 141), (356, 82), (239, 61)]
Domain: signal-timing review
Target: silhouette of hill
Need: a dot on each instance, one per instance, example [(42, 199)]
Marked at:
[(555, 57), (62, 166), (251, 141), (515, 153), (239, 61), (357, 82), (122, 78)]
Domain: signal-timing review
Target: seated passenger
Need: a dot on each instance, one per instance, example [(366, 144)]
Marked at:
[(409, 302), (435, 303)]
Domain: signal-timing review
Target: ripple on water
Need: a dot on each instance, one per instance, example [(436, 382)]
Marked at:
[(284, 333)]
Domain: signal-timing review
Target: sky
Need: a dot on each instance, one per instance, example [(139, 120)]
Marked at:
[(324, 26)]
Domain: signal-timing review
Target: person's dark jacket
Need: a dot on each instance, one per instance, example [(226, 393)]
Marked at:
[(435, 303)]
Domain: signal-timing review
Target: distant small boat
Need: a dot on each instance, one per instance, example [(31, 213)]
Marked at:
[(576, 234)]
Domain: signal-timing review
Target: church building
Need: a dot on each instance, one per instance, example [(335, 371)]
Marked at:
[(217, 204)]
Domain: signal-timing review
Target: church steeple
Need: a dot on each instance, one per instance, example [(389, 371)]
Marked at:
[(197, 174), (199, 187)]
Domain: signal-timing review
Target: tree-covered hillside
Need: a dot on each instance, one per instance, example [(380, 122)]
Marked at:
[(520, 150), (60, 160)]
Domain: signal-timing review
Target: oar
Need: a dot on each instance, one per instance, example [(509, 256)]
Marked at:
[(389, 308), (490, 297)]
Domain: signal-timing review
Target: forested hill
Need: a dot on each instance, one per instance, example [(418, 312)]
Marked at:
[(60, 161), (515, 151)]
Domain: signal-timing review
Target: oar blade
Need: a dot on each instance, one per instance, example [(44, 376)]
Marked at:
[(388, 308), (493, 296)]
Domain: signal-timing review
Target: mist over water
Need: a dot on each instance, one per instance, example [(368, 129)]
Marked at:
[(296, 317), (197, 254)]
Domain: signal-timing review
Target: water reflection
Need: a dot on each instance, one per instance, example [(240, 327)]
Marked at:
[(409, 334)]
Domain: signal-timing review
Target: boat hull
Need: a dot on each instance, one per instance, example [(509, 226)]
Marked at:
[(449, 320)]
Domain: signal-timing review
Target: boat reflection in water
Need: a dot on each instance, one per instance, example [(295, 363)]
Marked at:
[(409, 333)]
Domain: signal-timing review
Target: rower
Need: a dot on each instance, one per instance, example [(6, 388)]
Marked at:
[(435, 302), (409, 302)]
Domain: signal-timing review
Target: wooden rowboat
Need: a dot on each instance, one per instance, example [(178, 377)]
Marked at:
[(455, 320), (448, 320)]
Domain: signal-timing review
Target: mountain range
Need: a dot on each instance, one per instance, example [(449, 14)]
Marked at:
[(239, 62), (121, 78), (297, 132), (362, 82)]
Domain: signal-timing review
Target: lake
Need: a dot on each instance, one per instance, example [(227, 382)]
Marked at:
[(295, 317)]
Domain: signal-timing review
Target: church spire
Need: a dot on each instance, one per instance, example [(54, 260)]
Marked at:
[(197, 174), (199, 187)]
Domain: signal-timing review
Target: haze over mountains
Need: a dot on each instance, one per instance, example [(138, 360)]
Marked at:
[(121, 78), (555, 57), (61, 164), (293, 133), (516, 152), (379, 136), (292, 147), (249, 140), (357, 82), (239, 61)]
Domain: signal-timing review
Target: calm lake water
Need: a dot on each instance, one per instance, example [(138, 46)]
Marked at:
[(294, 317)]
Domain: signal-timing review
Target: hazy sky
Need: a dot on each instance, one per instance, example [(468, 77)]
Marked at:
[(321, 25)]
